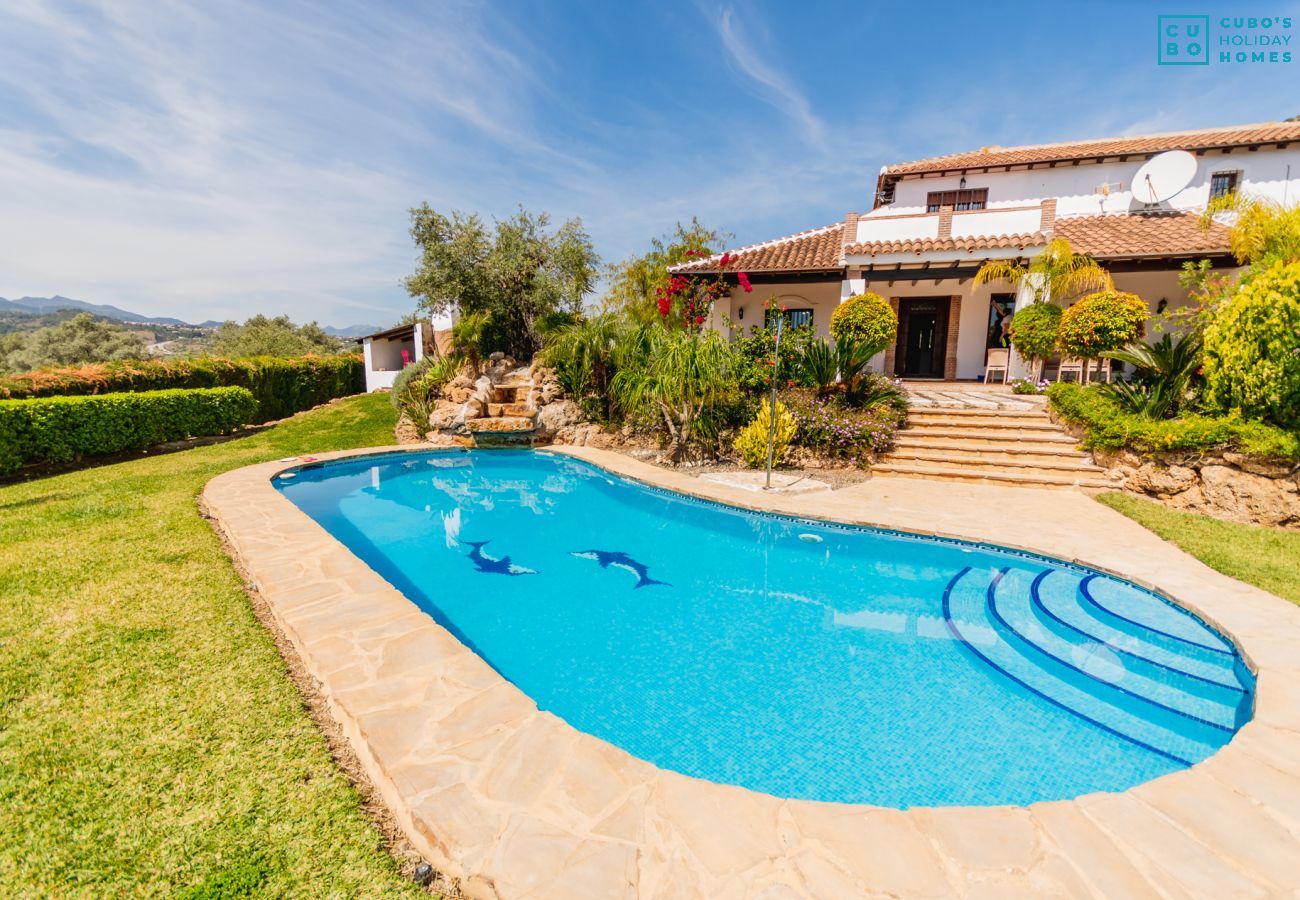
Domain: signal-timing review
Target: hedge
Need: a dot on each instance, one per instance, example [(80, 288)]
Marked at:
[(61, 429), (281, 387), (1109, 427)]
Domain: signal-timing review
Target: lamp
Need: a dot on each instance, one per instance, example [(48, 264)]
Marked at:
[(962, 184)]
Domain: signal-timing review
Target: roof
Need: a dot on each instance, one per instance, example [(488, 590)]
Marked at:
[(1150, 234), (931, 245), (397, 331), (817, 248), (1205, 139)]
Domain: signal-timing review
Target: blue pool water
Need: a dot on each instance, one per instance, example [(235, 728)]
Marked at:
[(803, 659)]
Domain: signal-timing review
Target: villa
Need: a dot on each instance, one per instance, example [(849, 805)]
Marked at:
[(933, 222)]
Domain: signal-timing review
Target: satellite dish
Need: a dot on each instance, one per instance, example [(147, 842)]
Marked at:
[(1163, 175)]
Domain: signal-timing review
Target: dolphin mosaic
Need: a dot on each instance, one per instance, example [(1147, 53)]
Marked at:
[(620, 561), (501, 566)]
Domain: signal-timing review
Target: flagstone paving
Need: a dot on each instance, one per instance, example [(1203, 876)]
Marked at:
[(516, 803)]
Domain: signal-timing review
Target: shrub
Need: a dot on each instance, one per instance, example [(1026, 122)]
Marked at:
[(1252, 348), (754, 354), (1108, 427), (819, 365), (60, 429), (751, 443), (418, 385), (281, 387), (1165, 372), (830, 428), (1034, 331), (867, 318), (1028, 386), (876, 390), (1106, 320)]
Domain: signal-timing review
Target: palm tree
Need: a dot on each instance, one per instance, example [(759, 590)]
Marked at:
[(680, 377), (1263, 231), (1058, 273)]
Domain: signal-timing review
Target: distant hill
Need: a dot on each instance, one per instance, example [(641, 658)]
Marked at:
[(56, 303), (352, 331), (49, 305)]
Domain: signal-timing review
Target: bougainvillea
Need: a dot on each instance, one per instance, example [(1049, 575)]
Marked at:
[(688, 299)]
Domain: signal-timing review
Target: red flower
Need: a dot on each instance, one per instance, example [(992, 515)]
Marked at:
[(699, 320), (726, 258), (663, 306), (744, 282)]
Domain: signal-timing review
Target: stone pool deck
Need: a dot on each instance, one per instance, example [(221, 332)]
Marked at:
[(516, 803)]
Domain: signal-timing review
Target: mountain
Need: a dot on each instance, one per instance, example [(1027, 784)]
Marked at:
[(352, 331), (55, 303)]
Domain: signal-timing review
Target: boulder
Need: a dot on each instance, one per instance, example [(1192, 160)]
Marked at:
[(446, 415), (554, 416)]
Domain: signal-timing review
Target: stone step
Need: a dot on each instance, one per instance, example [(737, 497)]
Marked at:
[(963, 411), (500, 424), (1002, 460), (510, 409), (991, 422), (989, 474), (909, 441), (1052, 436), (508, 394)]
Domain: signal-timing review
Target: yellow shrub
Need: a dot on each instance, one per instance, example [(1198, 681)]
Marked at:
[(751, 443)]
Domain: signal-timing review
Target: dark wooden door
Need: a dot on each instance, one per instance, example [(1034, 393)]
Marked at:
[(922, 337)]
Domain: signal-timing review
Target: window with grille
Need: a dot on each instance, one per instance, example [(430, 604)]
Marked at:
[(794, 318), (1223, 183), (967, 198)]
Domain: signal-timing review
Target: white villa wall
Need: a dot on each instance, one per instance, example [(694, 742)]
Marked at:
[(1270, 173), (820, 297)]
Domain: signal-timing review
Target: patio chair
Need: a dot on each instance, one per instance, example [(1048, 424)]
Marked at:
[(1103, 371), (997, 359), (1070, 367), (406, 358)]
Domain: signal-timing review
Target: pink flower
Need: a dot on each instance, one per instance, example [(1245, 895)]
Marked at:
[(744, 282)]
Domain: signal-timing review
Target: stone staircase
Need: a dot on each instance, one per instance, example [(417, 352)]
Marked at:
[(510, 419), (1017, 446)]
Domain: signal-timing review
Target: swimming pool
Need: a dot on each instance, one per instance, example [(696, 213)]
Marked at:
[(799, 658)]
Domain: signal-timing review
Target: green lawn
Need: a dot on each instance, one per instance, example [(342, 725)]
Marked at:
[(1268, 558), (150, 740)]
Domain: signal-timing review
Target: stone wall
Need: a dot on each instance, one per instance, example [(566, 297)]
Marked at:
[(1227, 485)]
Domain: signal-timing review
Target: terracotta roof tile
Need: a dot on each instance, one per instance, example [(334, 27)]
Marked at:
[(1264, 133), (930, 245), (816, 249), (1151, 234)]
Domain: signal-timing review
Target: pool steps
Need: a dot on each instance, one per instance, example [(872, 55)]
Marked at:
[(1042, 629)]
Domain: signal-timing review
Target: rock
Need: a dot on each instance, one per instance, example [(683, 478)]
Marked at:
[(473, 408), (1267, 468), (496, 357), (551, 391), (554, 416), (1163, 481), (1247, 497), (446, 415)]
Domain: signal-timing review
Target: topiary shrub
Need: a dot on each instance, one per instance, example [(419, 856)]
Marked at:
[(867, 319), (1034, 331), (1252, 348), (751, 443), (1100, 322)]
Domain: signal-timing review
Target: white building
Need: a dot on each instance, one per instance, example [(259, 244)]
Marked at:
[(388, 352), (933, 222)]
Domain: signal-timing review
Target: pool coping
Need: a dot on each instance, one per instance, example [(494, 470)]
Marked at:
[(515, 802)]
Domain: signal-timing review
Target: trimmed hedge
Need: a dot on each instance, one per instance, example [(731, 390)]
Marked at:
[(1108, 427), (281, 387), (61, 429), (868, 319)]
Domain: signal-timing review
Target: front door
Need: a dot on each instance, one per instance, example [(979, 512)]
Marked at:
[(922, 336)]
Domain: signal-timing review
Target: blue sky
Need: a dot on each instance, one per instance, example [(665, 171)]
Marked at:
[(218, 159)]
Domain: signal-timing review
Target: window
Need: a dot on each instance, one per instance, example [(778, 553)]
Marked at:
[(1223, 183), (970, 198), (794, 318), (1001, 306)]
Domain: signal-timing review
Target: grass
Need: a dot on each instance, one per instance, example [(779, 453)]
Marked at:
[(1268, 558), (150, 740)]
